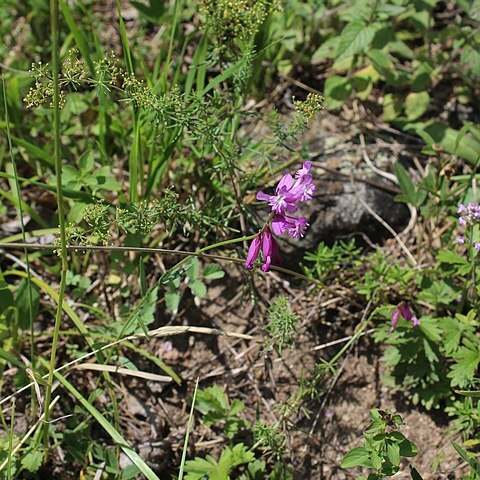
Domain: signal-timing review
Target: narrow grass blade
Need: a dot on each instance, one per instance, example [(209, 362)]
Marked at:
[(187, 434), (108, 427)]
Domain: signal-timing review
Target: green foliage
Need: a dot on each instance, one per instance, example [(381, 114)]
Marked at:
[(384, 446), (213, 403), (281, 324), (330, 260), (220, 469), (234, 22)]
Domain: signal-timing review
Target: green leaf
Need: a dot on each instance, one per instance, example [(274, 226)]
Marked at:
[(144, 313), (198, 288), (172, 300), (355, 38), (416, 104), (33, 460), (407, 448), (108, 427), (213, 271), (381, 61), (194, 271), (451, 258), (393, 454), (469, 393), (392, 107), (357, 457), (229, 459), (22, 300), (327, 49), (6, 296), (406, 185), (468, 358), (436, 133), (337, 90)]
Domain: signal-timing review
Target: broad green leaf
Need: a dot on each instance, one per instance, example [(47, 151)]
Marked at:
[(416, 104), (407, 448), (22, 300), (393, 454), (337, 90), (198, 288), (357, 457), (355, 38), (213, 271), (327, 49)]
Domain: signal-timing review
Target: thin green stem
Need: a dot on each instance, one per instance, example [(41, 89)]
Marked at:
[(61, 216)]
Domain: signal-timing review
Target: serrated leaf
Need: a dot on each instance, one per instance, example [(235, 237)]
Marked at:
[(468, 358), (33, 460), (355, 38), (356, 457)]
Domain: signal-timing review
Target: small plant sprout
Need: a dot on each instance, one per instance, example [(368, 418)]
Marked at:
[(289, 192), (403, 311)]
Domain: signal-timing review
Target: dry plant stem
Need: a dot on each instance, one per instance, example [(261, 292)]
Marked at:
[(61, 217)]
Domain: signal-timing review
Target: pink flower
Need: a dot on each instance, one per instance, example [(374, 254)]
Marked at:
[(283, 200), (253, 252), (288, 192), (403, 310), (269, 247)]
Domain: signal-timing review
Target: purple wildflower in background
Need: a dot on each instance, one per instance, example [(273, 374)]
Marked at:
[(403, 311), (288, 193), (468, 215)]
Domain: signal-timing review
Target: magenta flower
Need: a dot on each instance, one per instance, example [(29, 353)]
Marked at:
[(270, 251), (253, 252), (288, 193), (404, 311)]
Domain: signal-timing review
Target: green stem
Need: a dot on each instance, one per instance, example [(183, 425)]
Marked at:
[(61, 216)]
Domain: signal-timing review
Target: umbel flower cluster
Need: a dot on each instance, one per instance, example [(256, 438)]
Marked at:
[(289, 192), (468, 216)]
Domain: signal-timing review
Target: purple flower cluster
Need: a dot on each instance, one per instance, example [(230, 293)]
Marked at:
[(289, 192), (469, 215), (403, 311)]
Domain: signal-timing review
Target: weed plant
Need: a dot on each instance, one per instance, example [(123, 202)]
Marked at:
[(131, 168)]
